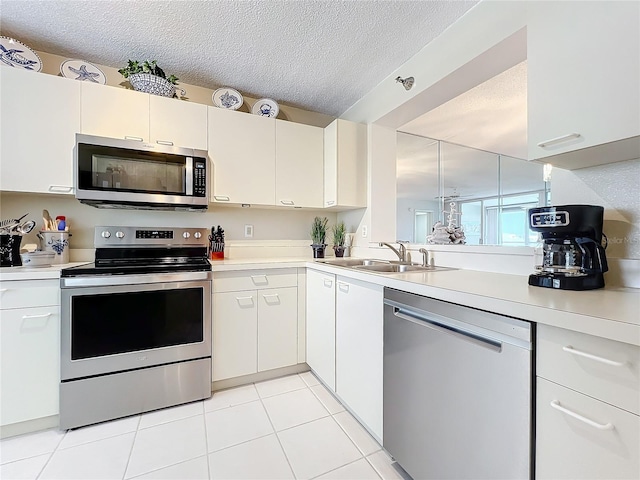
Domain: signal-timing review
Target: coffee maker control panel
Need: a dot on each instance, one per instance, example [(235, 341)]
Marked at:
[(550, 219)]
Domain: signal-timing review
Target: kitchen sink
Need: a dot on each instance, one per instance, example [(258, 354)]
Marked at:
[(399, 268), (354, 262)]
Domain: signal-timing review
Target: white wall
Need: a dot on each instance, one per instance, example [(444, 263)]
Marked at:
[(405, 217), (270, 226)]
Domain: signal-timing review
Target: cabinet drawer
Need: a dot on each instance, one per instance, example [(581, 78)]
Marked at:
[(602, 368), (601, 442), (254, 280), (29, 293)]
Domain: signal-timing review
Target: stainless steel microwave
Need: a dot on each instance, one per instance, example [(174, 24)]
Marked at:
[(114, 173)]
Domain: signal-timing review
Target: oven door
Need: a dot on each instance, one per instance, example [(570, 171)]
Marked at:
[(117, 323)]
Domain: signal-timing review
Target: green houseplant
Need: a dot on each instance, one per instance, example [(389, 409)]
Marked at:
[(339, 231), (318, 235), (148, 77)]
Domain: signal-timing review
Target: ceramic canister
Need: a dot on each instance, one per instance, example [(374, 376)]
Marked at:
[(57, 242)]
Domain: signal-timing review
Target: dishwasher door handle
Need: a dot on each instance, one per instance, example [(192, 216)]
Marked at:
[(424, 321)]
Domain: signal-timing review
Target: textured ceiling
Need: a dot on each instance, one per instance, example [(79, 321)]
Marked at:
[(320, 55)]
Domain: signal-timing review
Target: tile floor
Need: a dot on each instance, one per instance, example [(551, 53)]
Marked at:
[(287, 428)]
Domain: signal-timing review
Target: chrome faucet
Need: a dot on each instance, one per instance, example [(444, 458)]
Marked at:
[(401, 251), (427, 258)]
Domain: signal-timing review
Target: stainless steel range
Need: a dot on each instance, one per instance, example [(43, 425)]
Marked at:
[(136, 325)]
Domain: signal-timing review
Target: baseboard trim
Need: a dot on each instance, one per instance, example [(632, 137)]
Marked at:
[(29, 426), (258, 377)]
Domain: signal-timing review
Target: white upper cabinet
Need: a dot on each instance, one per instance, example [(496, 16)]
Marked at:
[(115, 112), (242, 148), (299, 155), (40, 117), (583, 77), (121, 113), (176, 122), (345, 164)]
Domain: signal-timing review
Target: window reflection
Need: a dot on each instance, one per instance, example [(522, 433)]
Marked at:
[(492, 192)]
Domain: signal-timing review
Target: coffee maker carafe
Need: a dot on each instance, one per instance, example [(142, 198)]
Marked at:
[(573, 257)]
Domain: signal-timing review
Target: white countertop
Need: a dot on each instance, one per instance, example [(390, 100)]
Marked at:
[(612, 313)]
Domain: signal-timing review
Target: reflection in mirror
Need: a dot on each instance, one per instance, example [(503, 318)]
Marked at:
[(491, 192)]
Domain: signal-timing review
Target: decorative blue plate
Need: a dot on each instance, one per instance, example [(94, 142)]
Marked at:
[(16, 54), (227, 98), (83, 71), (265, 107)]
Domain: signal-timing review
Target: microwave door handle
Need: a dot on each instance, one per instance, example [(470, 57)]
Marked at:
[(188, 186)]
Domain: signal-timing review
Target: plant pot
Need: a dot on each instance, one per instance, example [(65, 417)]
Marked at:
[(339, 250), (148, 83), (318, 250)]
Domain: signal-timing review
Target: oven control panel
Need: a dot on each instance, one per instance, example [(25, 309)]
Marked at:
[(118, 236)]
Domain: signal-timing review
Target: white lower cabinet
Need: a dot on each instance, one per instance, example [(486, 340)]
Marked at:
[(254, 330), (277, 328), (579, 437), (321, 326), (359, 350), (30, 351), (587, 404), (235, 334)]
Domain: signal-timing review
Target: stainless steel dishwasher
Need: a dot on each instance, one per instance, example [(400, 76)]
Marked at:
[(457, 390)]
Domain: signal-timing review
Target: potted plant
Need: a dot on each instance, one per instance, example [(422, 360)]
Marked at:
[(318, 235), (148, 77), (339, 236)]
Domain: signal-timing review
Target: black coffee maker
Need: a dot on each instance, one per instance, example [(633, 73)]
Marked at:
[(573, 255)]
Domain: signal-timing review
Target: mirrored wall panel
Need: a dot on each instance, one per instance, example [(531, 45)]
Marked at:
[(488, 193)]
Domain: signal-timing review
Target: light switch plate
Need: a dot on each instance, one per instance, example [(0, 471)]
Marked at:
[(248, 231), (364, 231)]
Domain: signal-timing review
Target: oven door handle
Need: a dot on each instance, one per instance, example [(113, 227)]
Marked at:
[(113, 280)]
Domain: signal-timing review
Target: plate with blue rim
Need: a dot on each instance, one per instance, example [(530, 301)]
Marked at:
[(16, 54), (265, 107), (227, 98), (83, 71)]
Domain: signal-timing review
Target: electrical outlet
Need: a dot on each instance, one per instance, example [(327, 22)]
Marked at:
[(248, 231), (364, 231)]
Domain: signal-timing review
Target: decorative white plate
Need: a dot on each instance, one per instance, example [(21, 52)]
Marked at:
[(83, 71), (265, 107), (16, 54), (227, 98)]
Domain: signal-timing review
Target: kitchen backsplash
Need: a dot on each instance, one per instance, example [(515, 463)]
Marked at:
[(275, 226)]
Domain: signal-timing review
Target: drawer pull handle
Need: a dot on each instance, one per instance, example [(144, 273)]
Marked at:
[(328, 283), (2, 290), (259, 279), (287, 202), (330, 202), (600, 426), (613, 363), (221, 198), (563, 138), (137, 139), (27, 317), (60, 188), (343, 286), (271, 299), (164, 142)]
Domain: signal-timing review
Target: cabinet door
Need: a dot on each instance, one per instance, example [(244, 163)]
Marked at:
[(114, 112), (30, 363), (242, 148), (579, 437), (277, 328), (583, 75), (299, 155), (41, 116), (176, 122), (345, 164), (235, 334), (359, 349), (321, 326)]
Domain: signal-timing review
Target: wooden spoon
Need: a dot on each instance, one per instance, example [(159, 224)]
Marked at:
[(46, 220)]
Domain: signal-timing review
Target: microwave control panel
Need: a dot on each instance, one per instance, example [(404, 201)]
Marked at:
[(199, 177)]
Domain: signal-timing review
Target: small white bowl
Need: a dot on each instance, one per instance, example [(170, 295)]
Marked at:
[(37, 259)]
